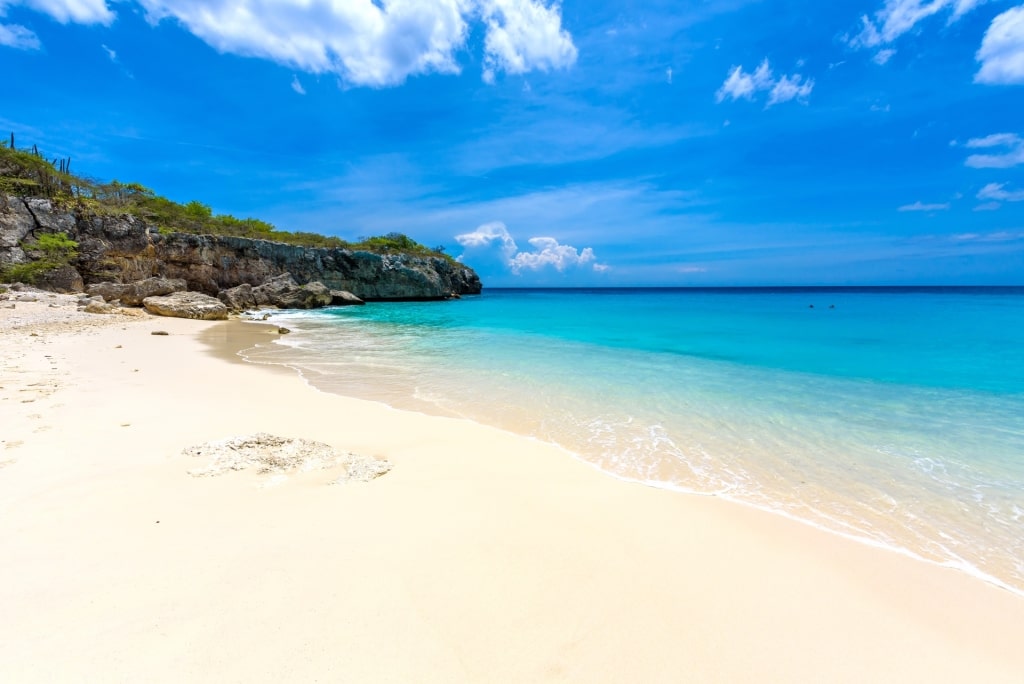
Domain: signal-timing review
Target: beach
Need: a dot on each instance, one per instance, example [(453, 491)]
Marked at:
[(482, 556)]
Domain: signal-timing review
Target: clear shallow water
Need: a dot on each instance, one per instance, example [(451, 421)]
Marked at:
[(896, 417)]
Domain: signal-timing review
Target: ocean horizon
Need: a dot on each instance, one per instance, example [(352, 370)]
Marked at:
[(888, 414)]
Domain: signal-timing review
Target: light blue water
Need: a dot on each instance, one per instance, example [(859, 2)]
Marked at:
[(895, 417)]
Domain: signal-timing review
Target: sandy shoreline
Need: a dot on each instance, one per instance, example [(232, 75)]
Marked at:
[(481, 557)]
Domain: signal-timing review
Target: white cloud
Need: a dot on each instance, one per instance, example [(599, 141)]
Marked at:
[(378, 42), (668, 75), (547, 251), (524, 35), (67, 11), (997, 192), (897, 17), (297, 86), (882, 57), (1002, 50), (63, 11), (110, 53), (1012, 154), (740, 84), (988, 206), (18, 37), (919, 206)]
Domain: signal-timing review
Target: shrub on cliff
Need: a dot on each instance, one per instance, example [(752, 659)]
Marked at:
[(54, 250)]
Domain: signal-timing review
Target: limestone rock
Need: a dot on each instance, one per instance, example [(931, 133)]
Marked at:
[(132, 294), (345, 298), (187, 305), (95, 307)]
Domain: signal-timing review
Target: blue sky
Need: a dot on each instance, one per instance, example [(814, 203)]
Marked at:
[(725, 142)]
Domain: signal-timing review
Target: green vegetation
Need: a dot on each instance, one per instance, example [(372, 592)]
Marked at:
[(25, 173), (54, 249)]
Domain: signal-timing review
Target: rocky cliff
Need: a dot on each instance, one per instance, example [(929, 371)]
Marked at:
[(123, 249)]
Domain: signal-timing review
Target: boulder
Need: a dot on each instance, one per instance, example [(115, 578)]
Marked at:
[(309, 296), (133, 294), (187, 305), (345, 298), (238, 298), (64, 279), (283, 292)]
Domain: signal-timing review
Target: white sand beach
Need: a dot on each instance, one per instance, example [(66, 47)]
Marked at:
[(481, 557)]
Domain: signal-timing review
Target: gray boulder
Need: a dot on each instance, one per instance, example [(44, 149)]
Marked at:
[(345, 298), (187, 305), (238, 298), (133, 294), (95, 307)]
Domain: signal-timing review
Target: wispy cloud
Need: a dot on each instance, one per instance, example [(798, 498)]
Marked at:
[(1012, 154), (18, 37), (1002, 50), (63, 11), (742, 85), (920, 206), (999, 193), (897, 17), (297, 86)]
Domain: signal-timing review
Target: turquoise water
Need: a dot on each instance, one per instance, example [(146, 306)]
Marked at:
[(892, 416)]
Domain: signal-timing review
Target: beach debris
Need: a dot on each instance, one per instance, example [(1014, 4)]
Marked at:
[(273, 455), (159, 332), (193, 305)]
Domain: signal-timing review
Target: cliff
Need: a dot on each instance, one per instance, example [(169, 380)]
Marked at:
[(124, 249)]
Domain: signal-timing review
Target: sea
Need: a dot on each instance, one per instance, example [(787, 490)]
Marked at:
[(894, 416)]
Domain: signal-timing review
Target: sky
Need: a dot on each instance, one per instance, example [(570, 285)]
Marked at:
[(573, 143)]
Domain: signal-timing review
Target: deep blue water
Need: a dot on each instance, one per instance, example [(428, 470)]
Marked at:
[(895, 415)]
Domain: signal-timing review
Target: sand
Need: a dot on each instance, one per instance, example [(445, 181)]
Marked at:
[(480, 557)]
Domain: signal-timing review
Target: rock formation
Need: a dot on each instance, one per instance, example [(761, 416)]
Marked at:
[(123, 249)]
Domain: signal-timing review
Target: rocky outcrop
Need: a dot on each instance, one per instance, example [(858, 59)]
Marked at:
[(281, 291), (187, 305), (133, 294), (122, 249)]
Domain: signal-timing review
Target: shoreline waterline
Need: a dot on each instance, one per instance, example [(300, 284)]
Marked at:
[(393, 388)]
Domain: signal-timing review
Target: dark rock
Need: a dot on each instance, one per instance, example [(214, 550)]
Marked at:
[(343, 298), (187, 305), (159, 332), (65, 279), (283, 331)]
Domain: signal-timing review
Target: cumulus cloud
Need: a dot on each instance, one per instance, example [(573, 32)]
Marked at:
[(897, 17), (1002, 50), (999, 193), (547, 252), (378, 42), (740, 84), (524, 35), (1011, 154), (920, 206)]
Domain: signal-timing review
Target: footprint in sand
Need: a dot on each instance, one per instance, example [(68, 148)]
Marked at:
[(13, 444)]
